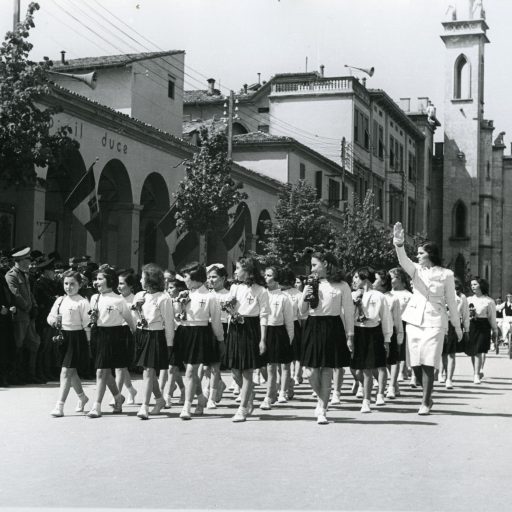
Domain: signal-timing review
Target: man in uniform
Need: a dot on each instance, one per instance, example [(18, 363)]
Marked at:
[(24, 329)]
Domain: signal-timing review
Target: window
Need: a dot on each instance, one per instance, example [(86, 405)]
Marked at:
[(488, 171), (334, 193), (412, 166), (366, 133), (462, 78), (459, 220), (395, 205), (401, 153), (318, 184), (411, 217), (378, 191), (375, 142), (361, 129), (356, 125), (263, 110), (381, 142), (170, 90), (344, 192), (263, 128), (487, 224), (302, 171), (391, 151)]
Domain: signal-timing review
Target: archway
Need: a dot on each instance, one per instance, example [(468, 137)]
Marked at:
[(154, 201), (61, 231), (459, 219), (239, 129), (462, 78), (460, 267), (261, 231), (119, 218)]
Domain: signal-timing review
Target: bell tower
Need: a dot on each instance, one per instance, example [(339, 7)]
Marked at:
[(465, 38)]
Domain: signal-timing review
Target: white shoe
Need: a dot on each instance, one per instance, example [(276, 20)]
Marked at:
[(143, 413), (58, 411), (168, 402), (94, 413), (336, 398), (211, 404), (159, 405), (400, 377), (201, 404), (185, 413), (132, 392), (442, 378), (476, 380), (360, 392), (380, 399), (81, 404), (282, 399), (391, 394), (322, 419), (448, 384), (265, 405), (240, 415), (365, 408)]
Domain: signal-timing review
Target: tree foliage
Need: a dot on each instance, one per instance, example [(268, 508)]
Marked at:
[(299, 222), (25, 138), (207, 192)]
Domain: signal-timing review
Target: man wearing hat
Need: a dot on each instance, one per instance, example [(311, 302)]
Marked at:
[(25, 335)]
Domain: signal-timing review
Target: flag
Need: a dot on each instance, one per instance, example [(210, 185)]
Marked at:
[(167, 225), (82, 201), (186, 243), (235, 231)]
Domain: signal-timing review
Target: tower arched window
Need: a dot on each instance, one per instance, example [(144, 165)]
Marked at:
[(462, 78), (459, 220), (487, 223)]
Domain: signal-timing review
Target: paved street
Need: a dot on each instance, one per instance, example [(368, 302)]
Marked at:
[(458, 458)]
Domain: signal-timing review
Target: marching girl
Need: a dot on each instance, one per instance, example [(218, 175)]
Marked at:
[(288, 285), (399, 289), (216, 276), (372, 335), (155, 332), (69, 315), (383, 284), (248, 302), (482, 311), (126, 288), (107, 314), (280, 332), (329, 331), (193, 335), (450, 340)]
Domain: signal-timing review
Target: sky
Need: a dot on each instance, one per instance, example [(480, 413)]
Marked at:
[(233, 40)]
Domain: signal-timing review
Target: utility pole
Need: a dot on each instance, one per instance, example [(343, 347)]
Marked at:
[(16, 14), (230, 115)]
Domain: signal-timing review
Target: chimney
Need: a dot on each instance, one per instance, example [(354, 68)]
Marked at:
[(259, 78), (422, 103), (405, 104), (63, 57), (245, 88), (211, 86), (322, 69)]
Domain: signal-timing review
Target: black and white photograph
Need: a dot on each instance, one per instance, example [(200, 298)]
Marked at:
[(254, 255)]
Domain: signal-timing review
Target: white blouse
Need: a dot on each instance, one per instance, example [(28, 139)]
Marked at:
[(129, 301), (112, 310), (74, 310), (335, 299), (251, 301), (221, 296), (396, 315), (295, 296), (158, 313), (377, 312), (403, 296), (202, 308), (485, 307), (281, 311)]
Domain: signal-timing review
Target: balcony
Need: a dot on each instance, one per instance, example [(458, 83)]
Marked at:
[(313, 87)]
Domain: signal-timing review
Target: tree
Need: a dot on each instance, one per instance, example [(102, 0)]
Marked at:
[(299, 222), (360, 241), (207, 192), (25, 138)]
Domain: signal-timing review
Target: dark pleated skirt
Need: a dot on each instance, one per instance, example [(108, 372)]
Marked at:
[(242, 345), (110, 347), (279, 349), (297, 341), (393, 350), (402, 349), (324, 343), (369, 351), (153, 349), (129, 340), (75, 351), (479, 340), (194, 344), (450, 341), (215, 347)]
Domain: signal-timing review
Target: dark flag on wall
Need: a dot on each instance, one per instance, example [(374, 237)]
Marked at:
[(167, 225), (82, 201), (235, 231)]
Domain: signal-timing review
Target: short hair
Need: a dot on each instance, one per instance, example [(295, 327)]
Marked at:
[(434, 255), (129, 278), (483, 283), (366, 274), (72, 274), (401, 274), (195, 270), (287, 277), (252, 267), (458, 284), (334, 274), (178, 284), (154, 277), (221, 271), (110, 275), (385, 279), (276, 271)]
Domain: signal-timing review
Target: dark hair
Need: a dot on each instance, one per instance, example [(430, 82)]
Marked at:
[(433, 253), (154, 277), (278, 274), (178, 284), (288, 277), (483, 283), (221, 271), (401, 274), (458, 285), (129, 279), (385, 279), (252, 267), (334, 273), (195, 270), (109, 274), (73, 274), (366, 274)]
